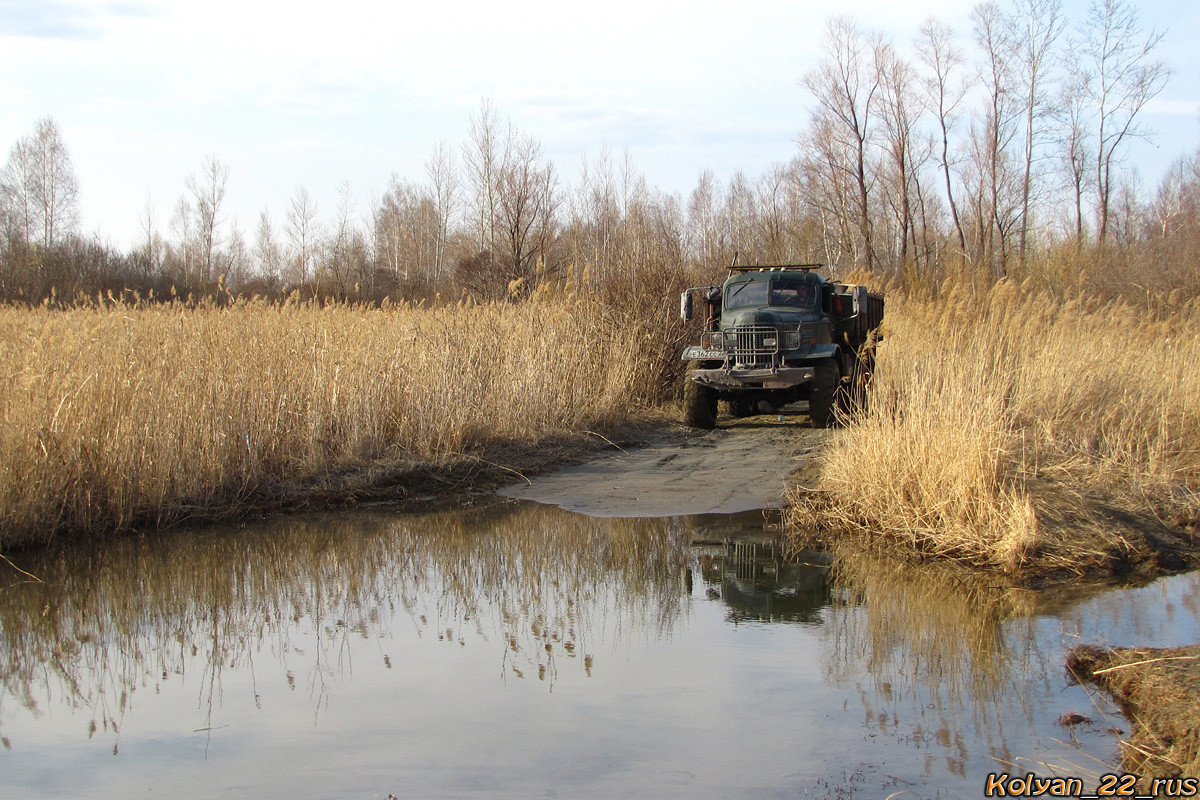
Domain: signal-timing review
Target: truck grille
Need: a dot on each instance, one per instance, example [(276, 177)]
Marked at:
[(754, 345)]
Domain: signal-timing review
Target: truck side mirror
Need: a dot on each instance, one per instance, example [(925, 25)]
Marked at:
[(685, 306), (860, 299)]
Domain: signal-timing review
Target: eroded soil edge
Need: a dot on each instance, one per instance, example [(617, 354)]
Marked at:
[(1159, 693)]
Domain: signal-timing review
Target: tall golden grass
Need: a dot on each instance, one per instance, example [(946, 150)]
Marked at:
[(124, 414), (1001, 423)]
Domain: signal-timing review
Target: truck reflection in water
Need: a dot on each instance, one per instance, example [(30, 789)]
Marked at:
[(758, 577)]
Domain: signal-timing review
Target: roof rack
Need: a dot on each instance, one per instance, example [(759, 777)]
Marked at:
[(770, 267)]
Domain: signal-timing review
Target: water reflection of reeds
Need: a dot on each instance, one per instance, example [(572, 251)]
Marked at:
[(935, 651), (104, 623)]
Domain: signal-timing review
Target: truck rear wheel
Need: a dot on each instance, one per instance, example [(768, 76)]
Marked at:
[(699, 402), (822, 403), (853, 396)]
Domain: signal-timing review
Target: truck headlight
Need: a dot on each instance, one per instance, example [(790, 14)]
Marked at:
[(791, 340)]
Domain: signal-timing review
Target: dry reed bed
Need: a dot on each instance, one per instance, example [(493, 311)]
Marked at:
[(116, 415), (997, 423)]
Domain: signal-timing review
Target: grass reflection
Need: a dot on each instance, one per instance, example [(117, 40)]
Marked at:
[(934, 650), (108, 622)]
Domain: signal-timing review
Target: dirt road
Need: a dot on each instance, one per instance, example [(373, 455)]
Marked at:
[(740, 466)]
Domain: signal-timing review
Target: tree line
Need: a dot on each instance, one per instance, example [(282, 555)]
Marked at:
[(994, 153)]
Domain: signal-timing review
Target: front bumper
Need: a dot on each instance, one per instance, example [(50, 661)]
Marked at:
[(780, 378)]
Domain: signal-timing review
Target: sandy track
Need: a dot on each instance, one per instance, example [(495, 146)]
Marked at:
[(740, 466)]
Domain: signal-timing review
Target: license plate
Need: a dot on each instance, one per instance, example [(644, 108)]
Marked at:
[(696, 353)]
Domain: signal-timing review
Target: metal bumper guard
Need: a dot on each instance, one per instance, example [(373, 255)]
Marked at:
[(781, 378)]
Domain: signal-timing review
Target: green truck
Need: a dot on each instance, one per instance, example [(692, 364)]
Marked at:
[(773, 335)]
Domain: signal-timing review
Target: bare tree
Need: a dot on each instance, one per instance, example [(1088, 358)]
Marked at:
[(944, 89), (343, 242), (18, 204), (776, 212), (597, 217), (651, 232), (997, 203), (1176, 216), (407, 230), (846, 87), (237, 257), (209, 194), (705, 239), (443, 183), (303, 236), (1037, 26), (898, 112), (40, 192), (1175, 201), (266, 249), (739, 218), (182, 254), (1122, 77), (516, 201), (57, 187), (528, 201), (825, 183), (484, 158), (1127, 214), (149, 260), (1073, 144)]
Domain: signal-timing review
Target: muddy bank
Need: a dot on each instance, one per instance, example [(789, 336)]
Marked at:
[(742, 465), (452, 480), (1069, 535), (1159, 693)]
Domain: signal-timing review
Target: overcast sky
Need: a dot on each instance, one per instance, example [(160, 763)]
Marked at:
[(321, 93)]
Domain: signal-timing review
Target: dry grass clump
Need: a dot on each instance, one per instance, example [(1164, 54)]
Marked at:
[(1157, 691), (1002, 424), (119, 414)]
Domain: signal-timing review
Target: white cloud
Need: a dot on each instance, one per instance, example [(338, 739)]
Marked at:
[(1185, 108)]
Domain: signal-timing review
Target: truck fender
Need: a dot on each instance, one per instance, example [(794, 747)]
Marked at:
[(823, 351)]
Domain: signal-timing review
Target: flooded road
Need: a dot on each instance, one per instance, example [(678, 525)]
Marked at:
[(517, 650)]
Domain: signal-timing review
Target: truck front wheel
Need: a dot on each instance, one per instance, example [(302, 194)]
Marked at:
[(699, 402), (823, 400)]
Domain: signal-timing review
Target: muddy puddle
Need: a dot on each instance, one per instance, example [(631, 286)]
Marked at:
[(515, 650)]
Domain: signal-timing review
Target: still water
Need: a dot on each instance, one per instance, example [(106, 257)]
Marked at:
[(520, 651)]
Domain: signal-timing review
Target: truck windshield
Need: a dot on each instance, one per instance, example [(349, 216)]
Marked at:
[(789, 293), (750, 293), (796, 294)]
